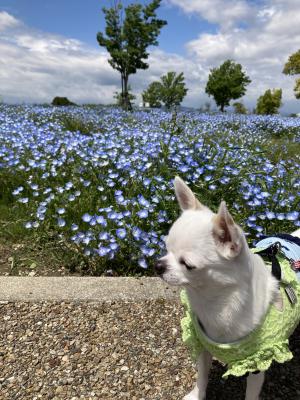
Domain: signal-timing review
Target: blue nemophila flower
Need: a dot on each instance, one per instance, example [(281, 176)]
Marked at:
[(93, 221), (136, 232), (143, 263), (121, 233), (18, 190), (103, 251), (61, 210), (34, 186), (120, 199), (114, 246), (142, 201), (292, 216), (142, 213), (41, 209), (69, 185), (220, 146), (23, 200), (103, 236), (101, 220), (147, 251), (86, 217), (112, 215), (61, 222), (224, 179), (28, 225), (270, 215), (86, 240)]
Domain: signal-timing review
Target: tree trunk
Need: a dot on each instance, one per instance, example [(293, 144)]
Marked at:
[(222, 107), (122, 83), (126, 102)]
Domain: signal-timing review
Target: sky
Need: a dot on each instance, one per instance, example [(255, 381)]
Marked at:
[(48, 48)]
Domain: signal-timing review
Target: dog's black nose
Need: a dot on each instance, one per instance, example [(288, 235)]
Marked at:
[(160, 267)]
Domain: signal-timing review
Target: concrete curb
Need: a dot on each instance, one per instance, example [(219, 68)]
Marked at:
[(97, 289)]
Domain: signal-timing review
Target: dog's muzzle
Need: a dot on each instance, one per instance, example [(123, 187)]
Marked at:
[(160, 267)]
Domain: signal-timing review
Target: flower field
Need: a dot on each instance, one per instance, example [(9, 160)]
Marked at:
[(98, 182)]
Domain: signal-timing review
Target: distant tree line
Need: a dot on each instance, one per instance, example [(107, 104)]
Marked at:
[(131, 30)]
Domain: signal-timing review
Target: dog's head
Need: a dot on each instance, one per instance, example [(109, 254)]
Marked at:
[(200, 244)]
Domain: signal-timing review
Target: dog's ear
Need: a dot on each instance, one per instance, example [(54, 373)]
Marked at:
[(227, 235), (186, 198)]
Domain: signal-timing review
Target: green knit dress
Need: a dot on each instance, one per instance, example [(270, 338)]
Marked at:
[(255, 352)]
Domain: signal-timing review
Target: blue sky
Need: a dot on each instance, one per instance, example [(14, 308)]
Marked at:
[(82, 19), (49, 47)]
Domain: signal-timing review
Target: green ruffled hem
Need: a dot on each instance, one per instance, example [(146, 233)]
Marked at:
[(189, 337), (260, 361)]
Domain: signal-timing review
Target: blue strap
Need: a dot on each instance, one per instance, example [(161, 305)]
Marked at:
[(289, 249)]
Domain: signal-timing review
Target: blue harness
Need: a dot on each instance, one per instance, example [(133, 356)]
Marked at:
[(288, 245)]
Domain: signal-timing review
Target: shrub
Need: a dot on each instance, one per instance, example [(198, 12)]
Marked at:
[(62, 101)]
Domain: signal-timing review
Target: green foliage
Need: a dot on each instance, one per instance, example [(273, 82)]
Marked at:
[(74, 124), (62, 101), (226, 83), (297, 88), (292, 67), (152, 95), (269, 102), (170, 91), (239, 108), (127, 39)]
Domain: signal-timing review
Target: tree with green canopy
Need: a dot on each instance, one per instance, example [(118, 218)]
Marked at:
[(239, 108), (292, 67), (170, 91), (127, 38), (152, 95), (269, 102), (227, 82)]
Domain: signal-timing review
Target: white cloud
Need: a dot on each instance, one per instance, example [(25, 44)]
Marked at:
[(36, 66), (7, 21), (262, 48), (224, 13)]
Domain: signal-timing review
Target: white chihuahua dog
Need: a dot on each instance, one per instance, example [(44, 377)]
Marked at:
[(228, 287)]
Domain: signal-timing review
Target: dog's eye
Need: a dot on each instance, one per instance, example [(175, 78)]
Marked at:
[(187, 266)]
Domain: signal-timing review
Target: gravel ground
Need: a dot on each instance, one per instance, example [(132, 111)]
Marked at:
[(127, 350)]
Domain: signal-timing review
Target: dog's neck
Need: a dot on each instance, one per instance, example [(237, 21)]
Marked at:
[(235, 302)]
